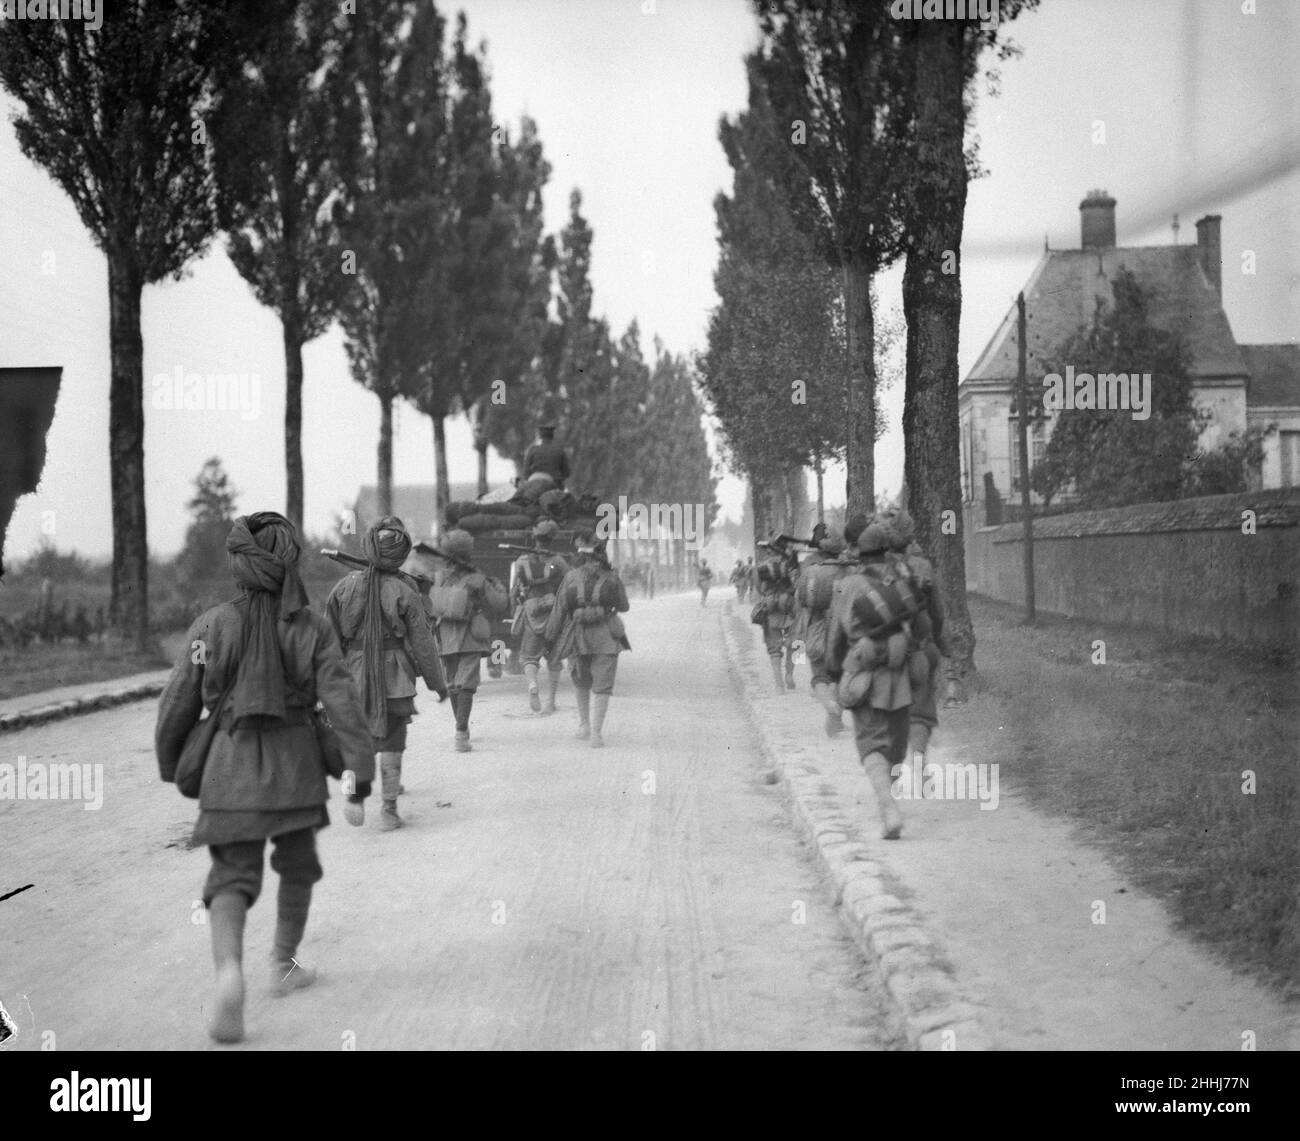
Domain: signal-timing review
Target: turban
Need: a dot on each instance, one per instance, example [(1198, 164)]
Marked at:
[(262, 551)]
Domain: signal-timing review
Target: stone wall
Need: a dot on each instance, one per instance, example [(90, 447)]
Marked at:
[(1187, 567)]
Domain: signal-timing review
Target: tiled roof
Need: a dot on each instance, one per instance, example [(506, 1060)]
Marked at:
[(1061, 296), (1279, 507), (1274, 374)]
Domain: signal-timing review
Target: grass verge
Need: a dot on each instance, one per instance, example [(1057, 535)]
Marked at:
[(1154, 752), (43, 666)]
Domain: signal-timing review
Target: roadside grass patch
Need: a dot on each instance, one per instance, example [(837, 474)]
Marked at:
[(1150, 753)]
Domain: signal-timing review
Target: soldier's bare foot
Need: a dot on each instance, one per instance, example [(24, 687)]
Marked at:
[(227, 1026), (534, 700)]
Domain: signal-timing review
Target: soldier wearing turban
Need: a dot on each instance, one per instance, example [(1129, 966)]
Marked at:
[(265, 660), (387, 640)]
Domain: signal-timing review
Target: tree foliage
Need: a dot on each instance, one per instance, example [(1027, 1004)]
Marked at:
[(277, 148), (775, 370), (212, 508), (1106, 457), (115, 116)]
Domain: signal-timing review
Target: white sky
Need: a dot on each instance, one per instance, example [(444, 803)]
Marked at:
[(1201, 105)]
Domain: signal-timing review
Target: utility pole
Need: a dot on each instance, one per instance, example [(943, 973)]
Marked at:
[(1022, 421)]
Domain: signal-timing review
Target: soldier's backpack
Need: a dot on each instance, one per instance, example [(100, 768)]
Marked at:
[(817, 586), (883, 597), (450, 603), (773, 574)]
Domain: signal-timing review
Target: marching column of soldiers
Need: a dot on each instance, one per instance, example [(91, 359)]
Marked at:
[(293, 696), (866, 611)]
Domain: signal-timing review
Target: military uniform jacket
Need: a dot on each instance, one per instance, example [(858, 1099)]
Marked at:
[(489, 600), (537, 579), (595, 586), (409, 645), (548, 457), (271, 769)]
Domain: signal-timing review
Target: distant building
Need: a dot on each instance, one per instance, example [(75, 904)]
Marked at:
[(1242, 385), (415, 504)]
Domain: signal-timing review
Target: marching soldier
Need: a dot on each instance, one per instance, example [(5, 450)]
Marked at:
[(867, 657), (585, 627), (384, 629), (537, 578), (737, 579), (704, 580), (929, 638), (263, 662), (547, 456), (813, 594), (465, 603), (776, 577)]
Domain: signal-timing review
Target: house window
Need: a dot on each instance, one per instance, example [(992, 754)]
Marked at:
[(1037, 444), (1289, 453)]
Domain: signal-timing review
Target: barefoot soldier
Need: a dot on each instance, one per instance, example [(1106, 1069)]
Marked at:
[(266, 660), (384, 629), (537, 578), (465, 603), (867, 655), (585, 627)]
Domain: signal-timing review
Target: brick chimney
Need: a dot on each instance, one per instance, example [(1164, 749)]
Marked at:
[(1097, 220), (1209, 251)]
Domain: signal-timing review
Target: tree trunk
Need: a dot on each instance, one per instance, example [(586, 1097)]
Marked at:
[(385, 455), (129, 605), (859, 460), (293, 497), (479, 420), (756, 512), (821, 497), (796, 495), (442, 492), (482, 467), (932, 307)]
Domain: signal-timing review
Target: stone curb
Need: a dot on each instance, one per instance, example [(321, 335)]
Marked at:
[(920, 986), (88, 703)]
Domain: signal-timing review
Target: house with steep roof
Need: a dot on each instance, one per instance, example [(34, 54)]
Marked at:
[(1241, 385)]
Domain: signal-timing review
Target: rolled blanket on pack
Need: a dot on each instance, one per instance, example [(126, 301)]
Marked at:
[(482, 521), (466, 507)]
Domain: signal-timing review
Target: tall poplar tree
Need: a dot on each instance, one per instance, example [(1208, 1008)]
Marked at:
[(277, 147), (115, 116)]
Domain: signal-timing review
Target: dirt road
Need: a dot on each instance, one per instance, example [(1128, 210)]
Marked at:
[(544, 895)]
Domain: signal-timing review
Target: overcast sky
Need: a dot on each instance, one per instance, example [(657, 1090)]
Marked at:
[(1201, 110)]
